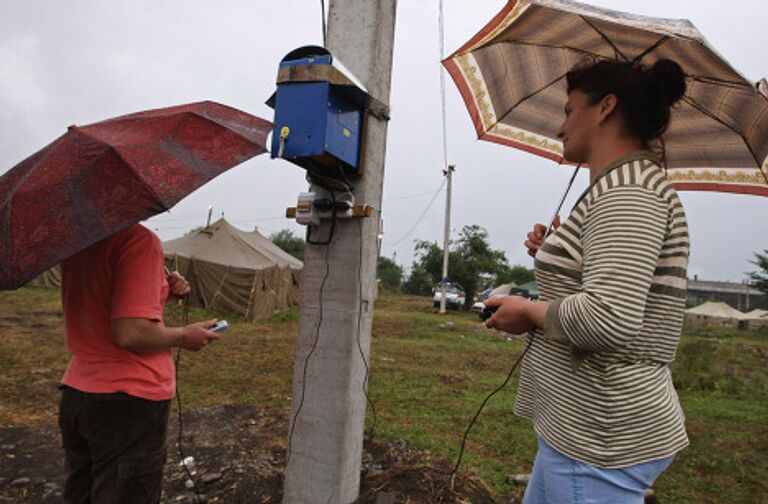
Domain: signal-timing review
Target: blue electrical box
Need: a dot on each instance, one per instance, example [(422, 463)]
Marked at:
[(318, 121)]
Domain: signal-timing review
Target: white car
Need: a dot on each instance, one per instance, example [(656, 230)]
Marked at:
[(455, 297), (500, 291)]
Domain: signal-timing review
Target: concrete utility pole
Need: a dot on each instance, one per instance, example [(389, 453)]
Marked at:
[(338, 285), (447, 234)]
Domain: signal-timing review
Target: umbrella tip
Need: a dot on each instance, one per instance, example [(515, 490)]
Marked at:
[(71, 127)]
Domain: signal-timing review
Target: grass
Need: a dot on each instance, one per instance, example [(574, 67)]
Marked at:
[(427, 380)]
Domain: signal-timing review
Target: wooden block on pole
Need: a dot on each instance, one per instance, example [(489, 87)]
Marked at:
[(357, 211)]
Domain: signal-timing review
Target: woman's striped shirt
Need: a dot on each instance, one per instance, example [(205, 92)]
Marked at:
[(595, 381)]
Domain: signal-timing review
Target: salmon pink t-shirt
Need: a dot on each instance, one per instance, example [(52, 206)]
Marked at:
[(122, 276)]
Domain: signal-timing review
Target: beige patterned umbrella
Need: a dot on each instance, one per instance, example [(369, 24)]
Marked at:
[(512, 78)]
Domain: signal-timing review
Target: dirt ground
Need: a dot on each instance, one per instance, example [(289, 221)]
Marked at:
[(239, 457)]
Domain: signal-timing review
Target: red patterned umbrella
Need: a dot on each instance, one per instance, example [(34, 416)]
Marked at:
[(98, 179)]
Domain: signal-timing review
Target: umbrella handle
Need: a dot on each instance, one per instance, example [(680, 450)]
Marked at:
[(551, 226)]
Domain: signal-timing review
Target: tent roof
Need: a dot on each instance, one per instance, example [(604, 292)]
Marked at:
[(531, 287), (502, 290), (222, 243), (757, 313), (717, 309)]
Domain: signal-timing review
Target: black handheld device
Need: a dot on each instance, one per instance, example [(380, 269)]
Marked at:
[(487, 312)]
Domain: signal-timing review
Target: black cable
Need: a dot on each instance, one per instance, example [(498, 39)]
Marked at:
[(321, 180), (331, 233), (309, 355), (359, 331), (322, 11), (181, 428), (498, 389), (178, 403), (306, 359)]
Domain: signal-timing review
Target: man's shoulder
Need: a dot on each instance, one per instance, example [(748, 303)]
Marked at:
[(134, 234)]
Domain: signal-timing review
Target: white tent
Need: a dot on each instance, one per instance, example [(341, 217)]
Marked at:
[(757, 319), (757, 313), (502, 290), (235, 271), (715, 314)]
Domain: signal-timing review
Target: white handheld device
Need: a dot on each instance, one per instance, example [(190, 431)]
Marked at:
[(219, 326)]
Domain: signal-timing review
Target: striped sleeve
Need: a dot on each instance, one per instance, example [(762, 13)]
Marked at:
[(622, 236)]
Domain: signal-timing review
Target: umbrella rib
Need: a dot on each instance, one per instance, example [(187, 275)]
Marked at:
[(714, 80), (709, 114), (135, 175), (521, 100), (652, 48), (548, 46), (605, 37), (47, 152), (126, 164)]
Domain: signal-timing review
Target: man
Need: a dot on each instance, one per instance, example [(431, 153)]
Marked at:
[(117, 389)]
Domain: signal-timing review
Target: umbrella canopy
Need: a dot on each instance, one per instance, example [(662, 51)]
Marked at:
[(512, 78), (98, 179)]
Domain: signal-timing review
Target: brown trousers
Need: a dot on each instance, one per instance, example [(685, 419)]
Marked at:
[(115, 447)]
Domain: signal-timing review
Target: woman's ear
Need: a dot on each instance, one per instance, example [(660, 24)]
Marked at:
[(608, 104)]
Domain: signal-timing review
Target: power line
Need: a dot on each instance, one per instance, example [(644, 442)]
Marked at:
[(410, 196), (421, 217), (442, 86)]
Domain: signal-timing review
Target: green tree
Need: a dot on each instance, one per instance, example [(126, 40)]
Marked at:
[(760, 278), (419, 281), (390, 274), (471, 260), (518, 274), (289, 242)]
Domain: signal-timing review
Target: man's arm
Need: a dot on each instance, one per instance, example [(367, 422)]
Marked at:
[(142, 335)]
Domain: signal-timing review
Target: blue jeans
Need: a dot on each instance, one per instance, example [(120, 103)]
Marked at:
[(557, 479)]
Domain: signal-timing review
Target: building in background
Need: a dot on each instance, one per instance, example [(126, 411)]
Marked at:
[(738, 295)]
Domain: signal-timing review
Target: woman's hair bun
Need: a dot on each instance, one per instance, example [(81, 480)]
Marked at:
[(668, 78)]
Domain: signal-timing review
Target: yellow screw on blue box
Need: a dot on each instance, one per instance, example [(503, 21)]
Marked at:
[(318, 114)]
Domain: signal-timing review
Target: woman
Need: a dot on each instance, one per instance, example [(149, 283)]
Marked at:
[(612, 281)]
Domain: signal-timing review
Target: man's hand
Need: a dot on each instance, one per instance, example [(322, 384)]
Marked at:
[(536, 237), (178, 286), (516, 314), (195, 336), (147, 336)]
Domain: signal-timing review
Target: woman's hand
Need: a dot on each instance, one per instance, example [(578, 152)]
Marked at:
[(536, 237), (516, 314)]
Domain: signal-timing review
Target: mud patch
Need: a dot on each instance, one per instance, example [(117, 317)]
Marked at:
[(239, 453)]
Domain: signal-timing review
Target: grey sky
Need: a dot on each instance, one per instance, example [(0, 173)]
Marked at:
[(65, 63)]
